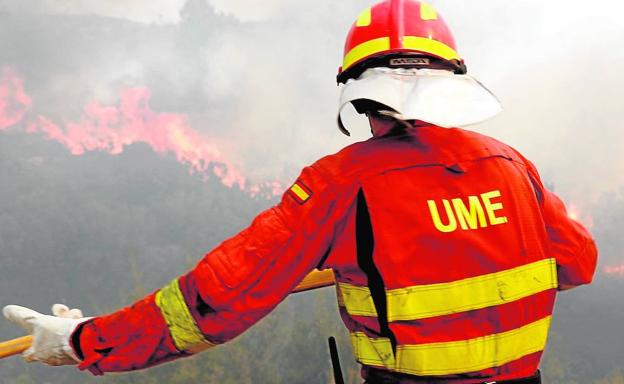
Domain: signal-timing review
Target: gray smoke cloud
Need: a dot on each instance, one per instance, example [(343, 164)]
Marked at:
[(258, 77), (156, 11), (554, 66)]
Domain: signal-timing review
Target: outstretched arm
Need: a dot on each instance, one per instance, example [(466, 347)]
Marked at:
[(231, 288)]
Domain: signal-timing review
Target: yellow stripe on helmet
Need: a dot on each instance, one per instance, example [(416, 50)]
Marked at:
[(446, 358), (430, 300), (365, 18), (182, 327), (382, 44), (364, 50), (433, 47)]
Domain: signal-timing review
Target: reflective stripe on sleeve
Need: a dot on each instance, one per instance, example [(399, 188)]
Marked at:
[(182, 327), (453, 357), (423, 301)]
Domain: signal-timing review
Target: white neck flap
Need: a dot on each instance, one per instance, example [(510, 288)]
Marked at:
[(434, 96)]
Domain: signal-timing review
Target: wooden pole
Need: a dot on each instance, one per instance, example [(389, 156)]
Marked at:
[(316, 279), (15, 346)]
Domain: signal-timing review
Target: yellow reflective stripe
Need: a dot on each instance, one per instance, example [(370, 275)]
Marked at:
[(297, 190), (371, 351), (456, 356), (434, 47), (339, 297), (357, 300), (365, 18), (365, 49), (473, 293), (184, 332), (422, 301), (427, 12)]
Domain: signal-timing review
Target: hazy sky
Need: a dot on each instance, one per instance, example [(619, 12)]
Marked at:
[(263, 88)]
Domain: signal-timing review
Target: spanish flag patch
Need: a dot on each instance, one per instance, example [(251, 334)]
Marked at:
[(300, 192)]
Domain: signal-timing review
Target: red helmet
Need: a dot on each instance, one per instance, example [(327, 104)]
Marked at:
[(399, 33)]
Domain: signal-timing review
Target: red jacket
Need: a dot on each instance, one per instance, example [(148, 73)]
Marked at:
[(446, 247)]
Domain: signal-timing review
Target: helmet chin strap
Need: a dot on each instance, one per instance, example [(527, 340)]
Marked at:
[(383, 122), (369, 107), (395, 116), (398, 118), (341, 126)]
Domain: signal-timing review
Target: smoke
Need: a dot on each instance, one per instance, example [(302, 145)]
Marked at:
[(14, 103), (584, 218), (263, 91), (153, 11), (552, 65)]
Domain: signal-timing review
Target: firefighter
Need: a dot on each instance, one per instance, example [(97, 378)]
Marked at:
[(447, 249)]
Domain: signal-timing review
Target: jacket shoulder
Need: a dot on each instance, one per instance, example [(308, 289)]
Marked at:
[(346, 165), (482, 139), (475, 140), (433, 145)]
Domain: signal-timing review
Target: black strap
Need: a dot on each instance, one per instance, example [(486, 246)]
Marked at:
[(333, 353), (380, 376), (365, 242)]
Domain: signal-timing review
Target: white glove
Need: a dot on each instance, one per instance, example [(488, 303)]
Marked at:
[(51, 334)]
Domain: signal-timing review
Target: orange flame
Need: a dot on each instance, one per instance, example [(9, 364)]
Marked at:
[(575, 214), (614, 270), (14, 102), (111, 128)]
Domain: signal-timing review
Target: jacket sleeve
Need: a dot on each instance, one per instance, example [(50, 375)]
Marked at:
[(570, 243), (229, 290)]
